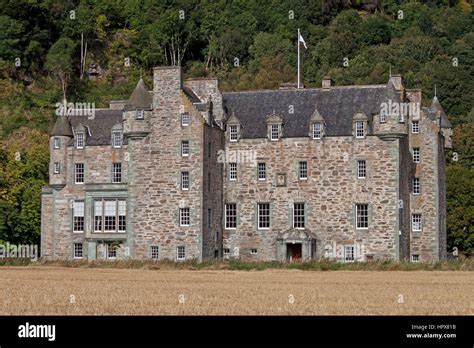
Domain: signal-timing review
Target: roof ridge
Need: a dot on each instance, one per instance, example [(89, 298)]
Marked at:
[(305, 89)]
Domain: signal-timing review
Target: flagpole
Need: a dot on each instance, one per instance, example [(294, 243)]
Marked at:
[(298, 40)]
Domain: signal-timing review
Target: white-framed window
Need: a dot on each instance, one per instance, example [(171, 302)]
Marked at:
[(78, 217), (262, 171), (263, 215), (185, 119), (415, 127), (233, 171), (416, 186), (254, 251), (298, 215), (230, 215), (116, 172), (274, 131), (56, 168), (155, 252), (117, 139), (361, 169), (416, 222), (362, 216), (226, 251), (416, 155), (233, 132), (57, 142), (181, 253), (140, 114), (79, 173), (360, 131), (317, 130), (184, 216), (184, 181), (349, 253), (79, 140), (110, 215), (111, 252), (415, 258), (383, 117), (78, 250), (185, 148), (303, 170)]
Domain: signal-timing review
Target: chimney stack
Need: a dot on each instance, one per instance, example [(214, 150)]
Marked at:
[(327, 83)]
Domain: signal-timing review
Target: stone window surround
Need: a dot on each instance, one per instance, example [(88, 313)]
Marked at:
[(360, 129), (263, 207), (299, 221), (262, 171), (155, 252), (78, 250), (185, 180), (361, 168), (303, 170), (57, 143), (416, 186), (233, 217), (233, 171), (78, 216), (416, 218), (185, 119), (116, 172), (185, 148), (56, 168), (79, 173), (367, 216), (181, 253), (415, 127), (415, 258), (101, 222), (349, 253), (275, 129), (184, 217)]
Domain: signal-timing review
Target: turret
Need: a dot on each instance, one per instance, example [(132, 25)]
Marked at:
[(444, 124), (58, 142), (136, 113)]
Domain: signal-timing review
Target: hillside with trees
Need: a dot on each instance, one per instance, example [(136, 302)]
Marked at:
[(95, 51)]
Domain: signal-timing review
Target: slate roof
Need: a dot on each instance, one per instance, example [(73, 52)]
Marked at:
[(140, 98), (62, 127), (337, 106), (435, 108), (100, 127)]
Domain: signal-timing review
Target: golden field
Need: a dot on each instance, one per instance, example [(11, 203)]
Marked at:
[(81, 291)]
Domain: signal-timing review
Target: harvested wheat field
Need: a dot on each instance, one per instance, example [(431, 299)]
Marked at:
[(79, 291)]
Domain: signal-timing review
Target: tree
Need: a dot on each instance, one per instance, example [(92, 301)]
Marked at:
[(59, 61)]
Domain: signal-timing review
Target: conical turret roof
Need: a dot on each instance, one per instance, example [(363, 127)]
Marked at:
[(140, 98), (62, 127), (435, 108)]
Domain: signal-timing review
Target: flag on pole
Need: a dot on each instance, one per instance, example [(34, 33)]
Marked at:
[(300, 39)]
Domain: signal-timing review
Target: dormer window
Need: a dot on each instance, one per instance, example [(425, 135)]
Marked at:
[(275, 132), (185, 119), (57, 142), (233, 132), (360, 131), (317, 130), (79, 140), (140, 114), (117, 139)]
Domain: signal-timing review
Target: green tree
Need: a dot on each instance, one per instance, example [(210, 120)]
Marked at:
[(59, 61)]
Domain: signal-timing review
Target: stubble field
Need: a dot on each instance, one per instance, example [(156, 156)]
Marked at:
[(85, 291)]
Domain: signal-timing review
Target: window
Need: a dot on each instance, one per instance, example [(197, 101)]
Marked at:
[(208, 182), (181, 253), (233, 171), (185, 119), (349, 253), (184, 217), (57, 143), (184, 180), (185, 148), (234, 132), (360, 129), (362, 216), (416, 155), (230, 215), (110, 215), (415, 127), (416, 186), (361, 169), (56, 168), (254, 251), (78, 250), (111, 252), (79, 173), (317, 130), (116, 172), (209, 217), (226, 251), (78, 212), (275, 132), (155, 252), (416, 222), (263, 215), (415, 258), (382, 117), (79, 140), (117, 139), (303, 170), (298, 215), (209, 150), (262, 171), (140, 115)]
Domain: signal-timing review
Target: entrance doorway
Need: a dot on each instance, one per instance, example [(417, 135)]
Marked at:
[(293, 252)]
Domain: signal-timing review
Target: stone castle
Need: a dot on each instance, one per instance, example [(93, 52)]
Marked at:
[(186, 172)]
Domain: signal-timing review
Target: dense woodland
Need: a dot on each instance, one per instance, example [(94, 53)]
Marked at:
[(48, 49)]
